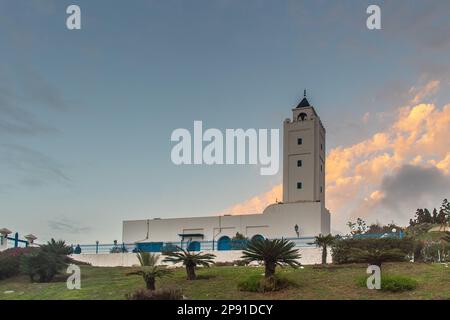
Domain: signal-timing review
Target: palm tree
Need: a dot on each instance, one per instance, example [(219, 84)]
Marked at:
[(56, 247), (324, 242), (277, 252), (190, 260), (149, 269), (376, 256)]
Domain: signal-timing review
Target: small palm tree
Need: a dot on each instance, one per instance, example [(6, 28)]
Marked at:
[(275, 252), (149, 269), (190, 260), (56, 247), (376, 256), (324, 242)]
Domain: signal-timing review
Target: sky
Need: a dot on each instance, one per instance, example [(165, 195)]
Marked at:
[(86, 115)]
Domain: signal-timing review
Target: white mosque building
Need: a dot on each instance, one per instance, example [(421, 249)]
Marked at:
[(302, 213)]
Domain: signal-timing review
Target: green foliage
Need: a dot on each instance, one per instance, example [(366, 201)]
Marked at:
[(257, 283), (375, 256), (159, 294), (149, 269), (392, 283), (343, 250), (190, 260), (10, 261), (42, 265), (277, 252), (58, 248), (324, 242)]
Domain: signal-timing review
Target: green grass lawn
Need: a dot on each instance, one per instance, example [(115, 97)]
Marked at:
[(312, 282)]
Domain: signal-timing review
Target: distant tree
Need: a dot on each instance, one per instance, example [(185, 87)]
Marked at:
[(239, 241), (444, 212), (427, 216), (190, 260), (324, 242), (239, 236), (358, 227), (434, 216), (277, 252)]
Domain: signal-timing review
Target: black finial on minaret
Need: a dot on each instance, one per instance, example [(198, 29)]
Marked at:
[(304, 102)]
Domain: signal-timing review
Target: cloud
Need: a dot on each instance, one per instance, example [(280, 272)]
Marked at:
[(390, 173), (18, 104), (257, 203), (414, 184), (67, 226), (33, 167)]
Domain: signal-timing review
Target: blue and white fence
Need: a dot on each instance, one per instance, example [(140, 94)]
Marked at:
[(301, 242)]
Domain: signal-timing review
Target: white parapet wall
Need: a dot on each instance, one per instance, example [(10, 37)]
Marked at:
[(309, 256)]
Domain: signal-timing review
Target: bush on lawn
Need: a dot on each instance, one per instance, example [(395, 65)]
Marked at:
[(41, 266), (10, 261), (342, 249), (258, 283), (158, 294), (392, 283)]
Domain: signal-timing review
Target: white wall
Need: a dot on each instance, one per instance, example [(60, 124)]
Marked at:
[(277, 220), (309, 256)]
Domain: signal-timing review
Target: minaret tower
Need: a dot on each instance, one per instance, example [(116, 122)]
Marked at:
[(304, 156)]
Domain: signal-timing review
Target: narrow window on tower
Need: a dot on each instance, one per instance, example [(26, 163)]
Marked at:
[(321, 168), (299, 185), (299, 141), (321, 146), (321, 189), (299, 163)]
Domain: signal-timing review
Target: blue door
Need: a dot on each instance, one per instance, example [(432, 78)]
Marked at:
[(194, 246), (224, 243)]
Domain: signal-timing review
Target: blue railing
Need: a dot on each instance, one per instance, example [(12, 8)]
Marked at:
[(172, 246), (15, 242), (301, 242)]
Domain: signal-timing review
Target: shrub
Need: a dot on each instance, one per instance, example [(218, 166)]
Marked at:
[(398, 283), (257, 283), (159, 294), (276, 252), (9, 266), (392, 283), (10, 261), (42, 265), (342, 249), (190, 260)]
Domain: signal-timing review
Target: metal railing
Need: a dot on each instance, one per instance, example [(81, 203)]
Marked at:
[(301, 242)]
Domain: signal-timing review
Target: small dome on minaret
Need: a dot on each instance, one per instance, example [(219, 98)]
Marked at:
[(304, 102)]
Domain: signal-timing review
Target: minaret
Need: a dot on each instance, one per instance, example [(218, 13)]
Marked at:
[(304, 155)]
